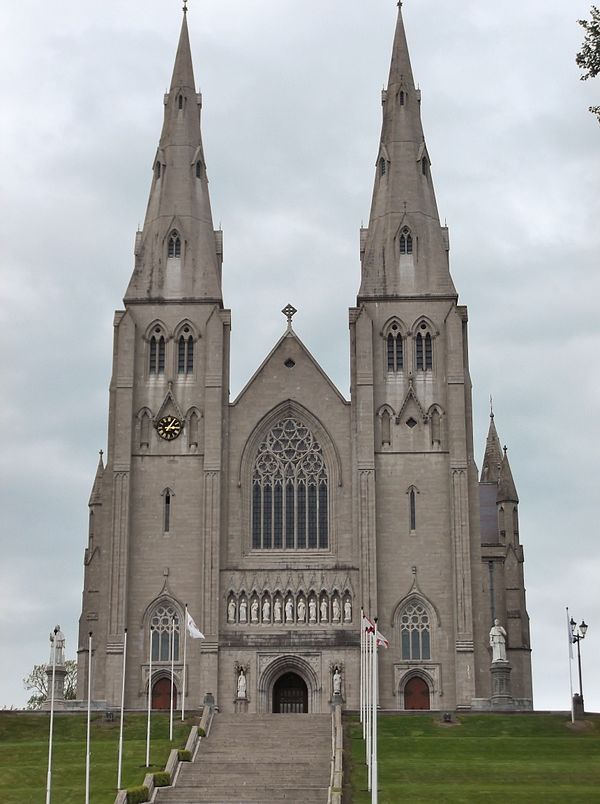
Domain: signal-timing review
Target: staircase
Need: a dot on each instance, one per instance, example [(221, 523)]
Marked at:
[(259, 759)]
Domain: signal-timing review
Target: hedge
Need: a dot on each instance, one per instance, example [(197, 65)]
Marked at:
[(184, 756), (137, 795), (162, 779)]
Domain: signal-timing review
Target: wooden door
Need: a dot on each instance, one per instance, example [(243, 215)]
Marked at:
[(416, 694), (290, 695), (161, 694)]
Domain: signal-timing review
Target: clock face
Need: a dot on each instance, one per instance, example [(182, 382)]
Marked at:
[(168, 427)]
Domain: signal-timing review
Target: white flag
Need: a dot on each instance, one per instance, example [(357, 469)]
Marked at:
[(193, 629), (570, 635)]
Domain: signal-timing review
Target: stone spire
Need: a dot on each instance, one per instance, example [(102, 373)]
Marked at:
[(404, 251), (96, 493), (507, 491), (179, 203), (492, 460)]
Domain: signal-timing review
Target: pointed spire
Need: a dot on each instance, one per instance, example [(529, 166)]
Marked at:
[(404, 249), (492, 460), (96, 494), (507, 491), (178, 253)]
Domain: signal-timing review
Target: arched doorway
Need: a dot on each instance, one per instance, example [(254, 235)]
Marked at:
[(290, 694), (161, 694), (416, 694)]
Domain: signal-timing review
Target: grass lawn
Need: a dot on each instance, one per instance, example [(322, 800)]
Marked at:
[(486, 758), (24, 755)]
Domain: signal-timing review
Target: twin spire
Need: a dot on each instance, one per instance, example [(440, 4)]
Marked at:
[(404, 250), (178, 253)]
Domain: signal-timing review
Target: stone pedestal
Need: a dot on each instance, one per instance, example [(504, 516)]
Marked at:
[(501, 698), (336, 700), (578, 707), (60, 672), (241, 706)]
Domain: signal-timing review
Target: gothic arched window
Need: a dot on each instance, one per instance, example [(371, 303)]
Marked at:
[(198, 169), (424, 349), (412, 503), (156, 361), (395, 352), (174, 247), (185, 352), (164, 623), (382, 166), (406, 241), (290, 502), (415, 633), (401, 97)]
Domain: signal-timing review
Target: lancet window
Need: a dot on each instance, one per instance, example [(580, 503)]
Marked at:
[(165, 625), (185, 352), (412, 503), (174, 245), (395, 351), (156, 362), (406, 241), (415, 632), (290, 490), (382, 166), (167, 509), (424, 349)]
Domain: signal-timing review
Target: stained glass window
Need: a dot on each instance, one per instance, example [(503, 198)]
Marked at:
[(165, 628), (290, 503)]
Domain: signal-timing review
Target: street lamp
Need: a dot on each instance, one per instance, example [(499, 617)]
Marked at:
[(578, 633)]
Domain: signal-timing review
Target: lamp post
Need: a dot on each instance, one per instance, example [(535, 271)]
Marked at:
[(578, 633)]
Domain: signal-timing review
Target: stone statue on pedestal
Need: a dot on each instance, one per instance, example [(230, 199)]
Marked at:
[(301, 610), (254, 611), (498, 642), (243, 610), (231, 611), (57, 647), (347, 611), (266, 611), (324, 611), (277, 608), (289, 610), (312, 610), (337, 611)]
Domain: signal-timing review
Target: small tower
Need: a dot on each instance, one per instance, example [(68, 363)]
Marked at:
[(503, 558)]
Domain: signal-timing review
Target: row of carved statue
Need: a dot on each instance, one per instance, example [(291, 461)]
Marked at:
[(301, 609)]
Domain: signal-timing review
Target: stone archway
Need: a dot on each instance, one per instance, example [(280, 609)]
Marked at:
[(305, 680), (290, 695)]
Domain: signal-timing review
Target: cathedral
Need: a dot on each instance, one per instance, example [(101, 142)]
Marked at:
[(275, 517)]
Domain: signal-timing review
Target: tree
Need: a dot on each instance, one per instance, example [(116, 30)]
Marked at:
[(588, 58), (37, 680)]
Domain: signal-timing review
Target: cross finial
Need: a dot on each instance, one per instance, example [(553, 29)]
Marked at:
[(289, 312), (491, 407), (185, 2)]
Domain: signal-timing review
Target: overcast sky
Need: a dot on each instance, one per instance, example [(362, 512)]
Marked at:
[(291, 123)]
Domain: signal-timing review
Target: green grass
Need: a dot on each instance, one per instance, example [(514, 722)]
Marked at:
[(24, 755), (486, 758)]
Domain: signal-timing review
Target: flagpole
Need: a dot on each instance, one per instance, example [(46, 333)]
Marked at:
[(362, 668), (374, 726), (185, 630), (149, 700), (49, 776), (172, 676), (369, 691), (570, 633), (89, 716), (120, 762)]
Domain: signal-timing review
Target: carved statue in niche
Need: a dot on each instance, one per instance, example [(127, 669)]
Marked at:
[(242, 684), (254, 611), (277, 610), (347, 611), (231, 611), (337, 681), (301, 610), (266, 610), (289, 610), (243, 610), (324, 610), (337, 612), (312, 610)]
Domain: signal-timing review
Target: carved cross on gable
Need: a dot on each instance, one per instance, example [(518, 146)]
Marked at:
[(289, 312)]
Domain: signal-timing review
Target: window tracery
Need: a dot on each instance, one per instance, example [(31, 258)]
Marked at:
[(415, 632), (174, 244), (406, 241), (290, 496), (165, 625)]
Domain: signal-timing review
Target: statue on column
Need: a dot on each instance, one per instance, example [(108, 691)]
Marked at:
[(57, 647), (498, 642)]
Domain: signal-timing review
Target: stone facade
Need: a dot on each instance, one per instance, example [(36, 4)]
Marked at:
[(276, 516)]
